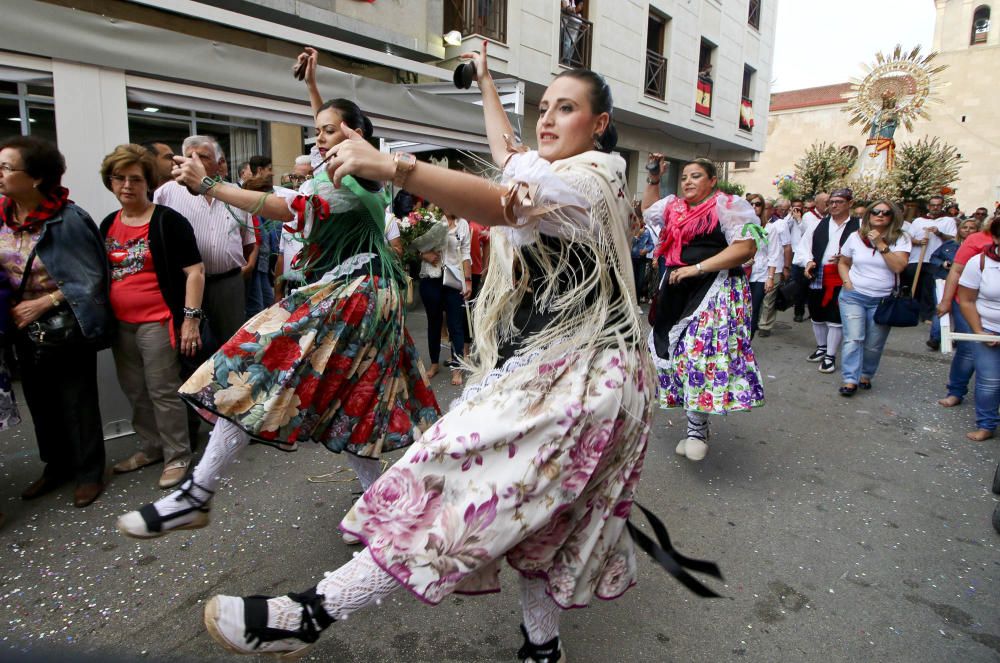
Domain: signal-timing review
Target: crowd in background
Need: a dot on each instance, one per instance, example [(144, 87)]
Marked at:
[(171, 275)]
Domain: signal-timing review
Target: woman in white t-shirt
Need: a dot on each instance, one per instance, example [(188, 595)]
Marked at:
[(979, 301), (870, 261)]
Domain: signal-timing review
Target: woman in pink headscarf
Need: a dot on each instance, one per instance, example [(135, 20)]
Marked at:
[(701, 317)]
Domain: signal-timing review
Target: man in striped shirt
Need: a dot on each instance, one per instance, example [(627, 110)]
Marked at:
[(225, 239)]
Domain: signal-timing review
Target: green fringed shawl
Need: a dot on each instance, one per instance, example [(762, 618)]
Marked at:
[(356, 224)]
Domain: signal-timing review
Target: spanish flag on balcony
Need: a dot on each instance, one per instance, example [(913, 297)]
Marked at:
[(746, 114), (703, 97)]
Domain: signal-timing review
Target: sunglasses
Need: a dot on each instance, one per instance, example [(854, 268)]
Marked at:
[(881, 212), (757, 204)]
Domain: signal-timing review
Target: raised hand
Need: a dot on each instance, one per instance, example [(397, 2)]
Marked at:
[(189, 171), (355, 156), (479, 59)]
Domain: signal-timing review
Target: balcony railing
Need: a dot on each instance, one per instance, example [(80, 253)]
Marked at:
[(703, 96), (477, 17), (656, 75), (746, 114), (575, 36)]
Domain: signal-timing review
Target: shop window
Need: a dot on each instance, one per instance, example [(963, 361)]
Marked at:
[(239, 138), (980, 25), (27, 109)]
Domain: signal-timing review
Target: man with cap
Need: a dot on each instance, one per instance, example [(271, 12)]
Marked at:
[(820, 248), (928, 232)]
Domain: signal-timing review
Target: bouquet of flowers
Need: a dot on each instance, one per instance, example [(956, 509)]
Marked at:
[(422, 230)]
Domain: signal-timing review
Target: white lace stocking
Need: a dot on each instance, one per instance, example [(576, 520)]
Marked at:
[(541, 613), (367, 469), (357, 584), (225, 443)]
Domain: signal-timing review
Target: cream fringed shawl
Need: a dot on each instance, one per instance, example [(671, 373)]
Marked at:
[(583, 202)]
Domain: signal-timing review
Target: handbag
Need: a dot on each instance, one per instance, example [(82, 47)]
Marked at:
[(55, 329), (788, 293), (453, 277), (901, 309)]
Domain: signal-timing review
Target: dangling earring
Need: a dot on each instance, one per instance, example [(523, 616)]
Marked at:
[(597, 141)]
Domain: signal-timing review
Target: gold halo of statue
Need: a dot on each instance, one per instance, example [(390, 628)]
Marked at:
[(896, 90)]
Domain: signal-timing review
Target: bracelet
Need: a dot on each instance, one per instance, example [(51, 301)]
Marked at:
[(55, 300), (700, 270), (260, 205), (650, 180), (193, 313)]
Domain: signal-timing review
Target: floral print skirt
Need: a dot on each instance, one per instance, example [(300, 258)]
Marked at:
[(538, 466), (712, 368), (332, 363)]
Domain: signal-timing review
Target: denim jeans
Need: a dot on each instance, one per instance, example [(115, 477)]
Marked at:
[(963, 363), (863, 339), (987, 385)]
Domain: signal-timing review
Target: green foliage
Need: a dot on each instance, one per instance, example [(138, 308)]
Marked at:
[(789, 189), (822, 165), (868, 187), (732, 188), (925, 167)]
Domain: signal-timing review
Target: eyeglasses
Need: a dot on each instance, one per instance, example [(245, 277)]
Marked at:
[(881, 212), (7, 169), (133, 180), (757, 204)]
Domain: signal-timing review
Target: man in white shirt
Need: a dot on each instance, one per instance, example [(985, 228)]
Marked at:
[(813, 210), (928, 233), (779, 234), (820, 246), (225, 237)]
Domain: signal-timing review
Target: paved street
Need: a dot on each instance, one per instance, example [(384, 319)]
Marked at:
[(848, 530)]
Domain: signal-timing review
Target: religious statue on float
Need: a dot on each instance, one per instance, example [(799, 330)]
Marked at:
[(895, 91)]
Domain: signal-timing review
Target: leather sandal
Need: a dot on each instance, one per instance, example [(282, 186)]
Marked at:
[(865, 384), (848, 390), (148, 523)]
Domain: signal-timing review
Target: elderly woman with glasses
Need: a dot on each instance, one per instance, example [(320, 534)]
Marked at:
[(157, 282), (870, 261)]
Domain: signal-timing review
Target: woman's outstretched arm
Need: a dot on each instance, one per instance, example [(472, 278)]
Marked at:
[(497, 122)]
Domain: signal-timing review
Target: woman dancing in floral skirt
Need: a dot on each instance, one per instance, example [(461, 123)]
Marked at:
[(332, 362), (539, 460)]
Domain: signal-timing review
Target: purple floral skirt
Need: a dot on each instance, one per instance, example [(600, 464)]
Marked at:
[(712, 367)]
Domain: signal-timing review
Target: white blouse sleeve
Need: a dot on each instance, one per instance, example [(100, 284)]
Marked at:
[(465, 244), (537, 197), (654, 213), (735, 214), (972, 275)]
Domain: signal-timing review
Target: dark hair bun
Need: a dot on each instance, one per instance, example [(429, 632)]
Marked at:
[(367, 129)]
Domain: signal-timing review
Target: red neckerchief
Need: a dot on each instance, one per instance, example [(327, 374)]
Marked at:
[(51, 205), (681, 224), (992, 252)]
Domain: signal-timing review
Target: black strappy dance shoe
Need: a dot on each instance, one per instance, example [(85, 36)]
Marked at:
[(240, 625), (549, 652), (148, 523)]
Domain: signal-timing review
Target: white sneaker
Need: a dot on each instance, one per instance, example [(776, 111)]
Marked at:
[(695, 449), (681, 448)]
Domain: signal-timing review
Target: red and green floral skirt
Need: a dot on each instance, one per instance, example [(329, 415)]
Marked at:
[(332, 363)]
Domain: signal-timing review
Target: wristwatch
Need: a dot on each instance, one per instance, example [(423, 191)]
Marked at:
[(885, 250), (193, 313), (206, 184), (405, 163)]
